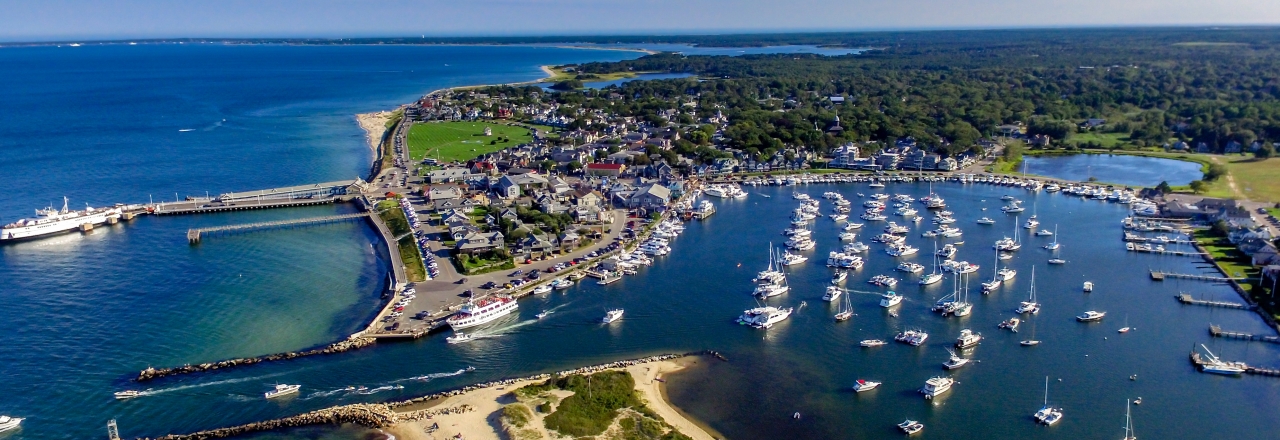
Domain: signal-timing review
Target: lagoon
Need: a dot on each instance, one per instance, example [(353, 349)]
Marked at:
[(1119, 169)]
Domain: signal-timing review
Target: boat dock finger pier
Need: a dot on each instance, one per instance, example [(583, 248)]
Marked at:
[(1199, 362), (195, 235), (1186, 298), (1161, 275), (1218, 332)]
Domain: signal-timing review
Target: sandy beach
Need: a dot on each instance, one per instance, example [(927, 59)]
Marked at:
[(374, 125), (484, 422)]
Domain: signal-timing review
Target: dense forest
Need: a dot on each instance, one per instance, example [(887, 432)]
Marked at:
[(948, 89)]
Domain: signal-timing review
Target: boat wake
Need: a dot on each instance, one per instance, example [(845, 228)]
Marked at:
[(432, 376), (152, 392), (352, 391)]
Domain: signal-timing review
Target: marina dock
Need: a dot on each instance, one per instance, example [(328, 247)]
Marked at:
[(195, 235), (1143, 249), (1161, 275), (1186, 298), (1135, 238), (1218, 332), (287, 197)]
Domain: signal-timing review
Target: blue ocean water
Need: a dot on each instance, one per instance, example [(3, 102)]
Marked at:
[(107, 124)]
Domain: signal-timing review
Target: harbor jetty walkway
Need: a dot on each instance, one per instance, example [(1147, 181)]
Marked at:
[(286, 197), (194, 235), (1161, 275)]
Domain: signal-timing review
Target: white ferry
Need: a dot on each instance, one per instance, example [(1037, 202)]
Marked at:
[(477, 313), (52, 221)]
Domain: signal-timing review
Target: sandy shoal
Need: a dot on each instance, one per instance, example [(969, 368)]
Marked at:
[(484, 424)]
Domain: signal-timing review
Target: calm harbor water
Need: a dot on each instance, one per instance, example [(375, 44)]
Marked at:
[(1115, 168), (84, 313)]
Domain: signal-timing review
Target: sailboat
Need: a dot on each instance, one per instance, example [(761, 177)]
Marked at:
[(1126, 328), (1048, 415), (846, 309), (1030, 305), (1031, 342), (991, 286), (964, 307), (1128, 422), (936, 275), (1053, 246)]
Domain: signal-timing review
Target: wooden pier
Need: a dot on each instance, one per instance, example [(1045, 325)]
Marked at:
[(1199, 362), (1186, 298), (1161, 275), (1132, 248), (1218, 332), (194, 235), (1135, 238)]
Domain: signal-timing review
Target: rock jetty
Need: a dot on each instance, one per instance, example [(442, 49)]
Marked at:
[(337, 347), (382, 415)]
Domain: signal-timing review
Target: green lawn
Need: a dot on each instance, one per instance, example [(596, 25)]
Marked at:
[(461, 141), (390, 212), (1106, 140)]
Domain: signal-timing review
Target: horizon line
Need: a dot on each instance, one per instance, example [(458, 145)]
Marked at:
[(567, 37)]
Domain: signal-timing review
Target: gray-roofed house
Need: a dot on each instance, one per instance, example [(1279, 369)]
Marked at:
[(451, 175), (650, 196), (477, 242)]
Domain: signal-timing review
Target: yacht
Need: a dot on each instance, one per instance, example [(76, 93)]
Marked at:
[(1088, 286), (936, 386), (968, 339), (459, 337), (1057, 261), (1048, 415), (932, 278), (561, 284), (1044, 233), (1091, 316), (839, 277), (486, 310), (840, 217), (947, 252), (1006, 274), (833, 293), (864, 385), (894, 228), (790, 259), (902, 250), (1002, 256), (856, 248), (1011, 324), (852, 226), (869, 343), (545, 288), (912, 337), (911, 267), (890, 299), (955, 361), (848, 236), (611, 316), (883, 280), (8, 423), (1213, 365), (770, 290), (1031, 223), (911, 427), (1030, 305), (1013, 208), (127, 394), (282, 390), (764, 317), (986, 221)]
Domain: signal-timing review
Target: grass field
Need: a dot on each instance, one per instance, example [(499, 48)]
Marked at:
[(390, 212), (1106, 140), (462, 141)]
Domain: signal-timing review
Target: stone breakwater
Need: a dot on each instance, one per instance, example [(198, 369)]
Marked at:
[(337, 347), (382, 415)]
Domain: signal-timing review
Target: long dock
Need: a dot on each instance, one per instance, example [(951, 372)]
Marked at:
[(1132, 248), (1186, 298), (194, 235), (1135, 238), (206, 207), (1199, 362), (1161, 275), (1218, 332)]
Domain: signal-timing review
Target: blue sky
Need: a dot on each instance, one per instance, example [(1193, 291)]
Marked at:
[(35, 20)]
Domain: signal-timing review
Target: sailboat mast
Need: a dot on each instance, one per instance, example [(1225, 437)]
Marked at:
[(1046, 391)]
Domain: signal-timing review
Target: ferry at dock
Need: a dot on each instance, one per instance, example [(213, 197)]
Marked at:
[(484, 311), (52, 221)]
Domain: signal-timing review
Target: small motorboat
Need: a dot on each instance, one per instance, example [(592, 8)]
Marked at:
[(542, 314), (865, 385), (872, 343), (911, 427), (1091, 316), (282, 390), (127, 394), (459, 338)]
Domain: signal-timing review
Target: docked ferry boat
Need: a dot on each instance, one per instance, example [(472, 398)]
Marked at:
[(486, 310), (52, 221)]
